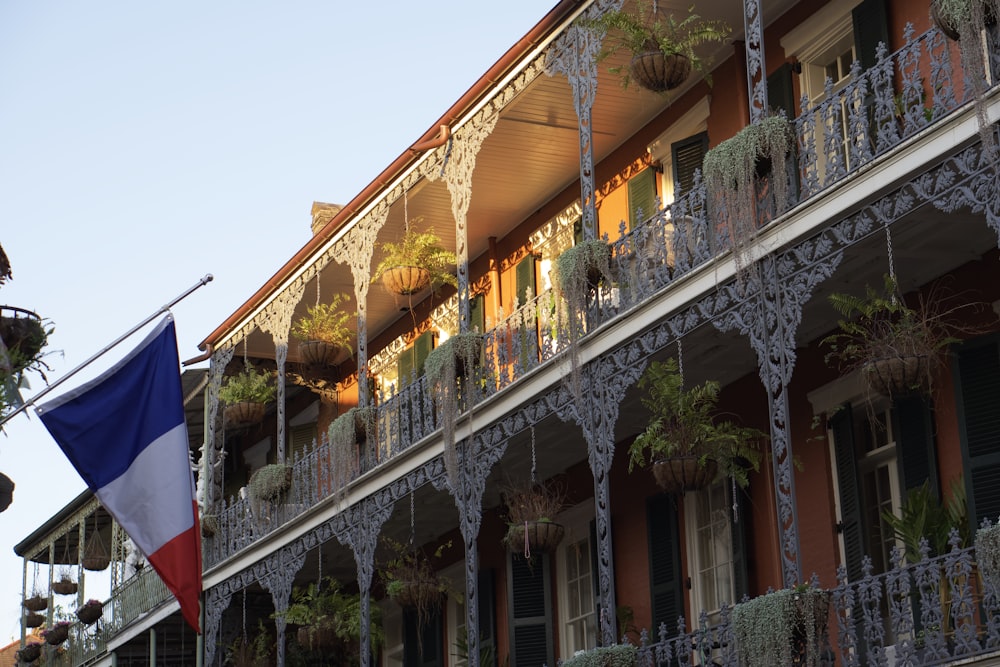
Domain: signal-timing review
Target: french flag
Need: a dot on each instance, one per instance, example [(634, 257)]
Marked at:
[(125, 434)]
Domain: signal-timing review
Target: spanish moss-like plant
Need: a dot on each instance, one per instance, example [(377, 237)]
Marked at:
[(731, 169), (618, 655), (968, 21), (770, 629), (270, 481), (579, 270), (988, 552), (441, 367), (249, 385), (343, 439)]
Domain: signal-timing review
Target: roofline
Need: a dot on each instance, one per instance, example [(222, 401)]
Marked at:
[(471, 97), (55, 521)]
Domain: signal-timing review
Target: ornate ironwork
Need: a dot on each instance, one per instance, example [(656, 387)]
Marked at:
[(277, 321), (754, 45), (210, 481)]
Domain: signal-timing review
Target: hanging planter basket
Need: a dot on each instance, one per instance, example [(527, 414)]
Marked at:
[(543, 536), (209, 525), (30, 653), (36, 603), (244, 413), (270, 482), (95, 554), (22, 330), (418, 594), (684, 473), (64, 587), (90, 612), (406, 280), (321, 353), (57, 634), (657, 71), (33, 620), (6, 491), (898, 375), (319, 636)]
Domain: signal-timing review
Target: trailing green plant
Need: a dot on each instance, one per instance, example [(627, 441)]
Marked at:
[(422, 250), (923, 516), (966, 21), (617, 655), (645, 28), (326, 322), (683, 422), (249, 385), (460, 352), (731, 169), (988, 552), (771, 629), (411, 580), (250, 651), (343, 438), (324, 609), (270, 481), (881, 326), (578, 271)]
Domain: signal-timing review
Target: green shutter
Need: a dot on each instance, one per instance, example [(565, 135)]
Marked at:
[(422, 347), (978, 398), (741, 551), (871, 26), (780, 93), (913, 424), (404, 367), (578, 231), (477, 313), (487, 616), (300, 439), (641, 197), (524, 279), (529, 611), (841, 423), (428, 649), (666, 589), (687, 156)]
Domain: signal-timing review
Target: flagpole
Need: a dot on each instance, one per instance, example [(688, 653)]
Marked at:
[(31, 401)]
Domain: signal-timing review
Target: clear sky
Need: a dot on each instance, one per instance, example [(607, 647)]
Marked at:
[(145, 144)]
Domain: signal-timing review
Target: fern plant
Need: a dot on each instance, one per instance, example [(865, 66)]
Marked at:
[(326, 322), (422, 250)]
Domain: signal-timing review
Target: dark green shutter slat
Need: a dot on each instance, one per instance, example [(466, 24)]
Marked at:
[(871, 26), (529, 611), (915, 442), (641, 197), (477, 313), (687, 156), (404, 367), (578, 231), (780, 93), (487, 611), (979, 414), (842, 426), (422, 347), (666, 591), (301, 439), (524, 279)]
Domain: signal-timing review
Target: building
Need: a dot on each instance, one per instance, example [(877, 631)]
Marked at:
[(888, 169)]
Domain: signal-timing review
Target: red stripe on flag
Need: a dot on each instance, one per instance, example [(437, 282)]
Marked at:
[(178, 562)]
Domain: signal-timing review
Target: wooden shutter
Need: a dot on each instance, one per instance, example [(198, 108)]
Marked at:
[(487, 615), (871, 26), (741, 552), (404, 367), (300, 440), (841, 423), (524, 279), (780, 93), (529, 610), (978, 398), (666, 589), (477, 313), (687, 156), (578, 231), (410, 362), (913, 424), (428, 650), (641, 197)]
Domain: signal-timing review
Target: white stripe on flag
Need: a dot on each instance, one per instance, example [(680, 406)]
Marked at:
[(152, 498)]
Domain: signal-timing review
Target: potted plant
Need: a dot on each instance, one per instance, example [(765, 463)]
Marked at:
[(269, 482), (444, 367), (323, 332), (416, 262), (33, 620), (64, 585), (31, 652), (410, 579), (251, 652), (24, 334), (246, 394), (209, 525), (685, 442), (662, 46), (616, 655), (6, 483), (731, 171), (782, 627), (57, 634), (898, 349), (329, 620), (988, 553), (36, 601), (90, 612), (531, 510)]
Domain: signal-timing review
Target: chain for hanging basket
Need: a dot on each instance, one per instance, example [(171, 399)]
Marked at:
[(95, 554)]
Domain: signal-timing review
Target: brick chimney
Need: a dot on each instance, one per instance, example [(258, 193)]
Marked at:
[(322, 214)]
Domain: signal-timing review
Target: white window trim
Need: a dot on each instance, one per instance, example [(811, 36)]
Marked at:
[(693, 121), (694, 559), (816, 35), (576, 520)]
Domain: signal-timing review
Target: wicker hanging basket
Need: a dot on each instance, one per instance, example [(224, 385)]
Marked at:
[(542, 536), (6, 491), (899, 375), (659, 72), (36, 603), (95, 554), (684, 473), (321, 353), (33, 620), (64, 586), (90, 612), (30, 653), (406, 280), (244, 413), (57, 634)]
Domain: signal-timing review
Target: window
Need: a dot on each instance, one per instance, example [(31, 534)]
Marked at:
[(679, 165), (577, 582), (456, 645), (708, 517), (529, 612), (978, 398)]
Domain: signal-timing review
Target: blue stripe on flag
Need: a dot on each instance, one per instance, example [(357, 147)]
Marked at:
[(103, 425)]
